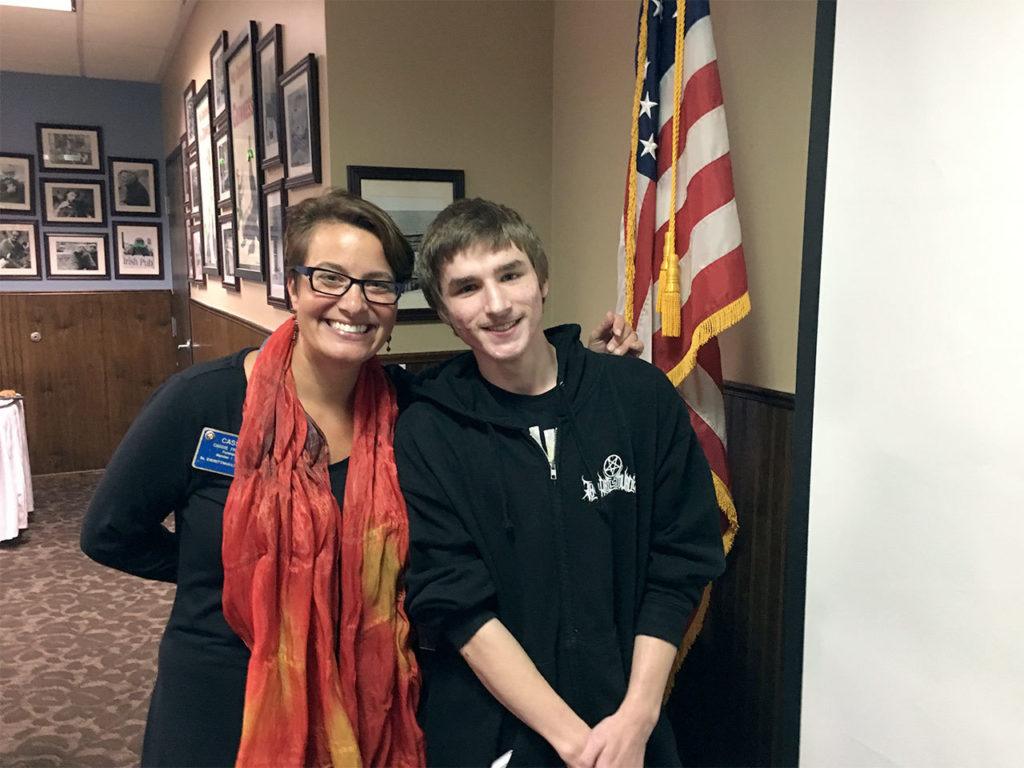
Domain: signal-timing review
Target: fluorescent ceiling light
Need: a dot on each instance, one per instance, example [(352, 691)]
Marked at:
[(45, 5)]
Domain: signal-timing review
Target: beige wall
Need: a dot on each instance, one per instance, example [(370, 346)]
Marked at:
[(303, 32), (765, 57), (446, 85)]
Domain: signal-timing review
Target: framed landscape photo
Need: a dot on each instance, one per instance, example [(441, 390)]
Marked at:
[(412, 197), (275, 205), (222, 161), (76, 257), (19, 251), (226, 230), (246, 153), (17, 184), (207, 182), (218, 77), (300, 99), (268, 53), (70, 148), (188, 102), (137, 252), (73, 203), (134, 188)]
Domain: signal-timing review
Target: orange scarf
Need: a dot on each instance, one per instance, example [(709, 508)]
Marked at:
[(323, 689)]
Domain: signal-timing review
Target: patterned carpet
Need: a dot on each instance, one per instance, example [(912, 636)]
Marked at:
[(78, 641)]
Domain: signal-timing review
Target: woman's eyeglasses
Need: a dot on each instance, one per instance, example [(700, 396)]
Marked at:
[(331, 283)]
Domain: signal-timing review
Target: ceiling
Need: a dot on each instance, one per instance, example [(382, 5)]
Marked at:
[(115, 39)]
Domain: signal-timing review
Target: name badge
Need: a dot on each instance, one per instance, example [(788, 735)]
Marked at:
[(216, 452)]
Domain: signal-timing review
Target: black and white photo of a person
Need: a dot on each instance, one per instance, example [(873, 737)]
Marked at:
[(133, 187), (14, 249), (13, 183), (70, 149), (297, 103), (223, 170), (269, 101), (73, 203), (77, 256)]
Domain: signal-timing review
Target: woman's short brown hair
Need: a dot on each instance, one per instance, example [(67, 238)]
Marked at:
[(344, 207)]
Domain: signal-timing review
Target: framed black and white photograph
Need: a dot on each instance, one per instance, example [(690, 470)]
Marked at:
[(134, 187), (19, 251), (275, 204), (268, 54), (300, 97), (218, 77), (195, 251), (207, 182), (188, 103), (185, 185), (70, 148), (137, 252), (228, 278), (73, 203), (17, 184), (222, 161), (194, 194), (246, 154), (412, 197), (76, 257)]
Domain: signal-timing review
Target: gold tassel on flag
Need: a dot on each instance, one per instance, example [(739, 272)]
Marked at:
[(669, 296)]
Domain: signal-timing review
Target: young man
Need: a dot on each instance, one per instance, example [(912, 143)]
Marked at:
[(562, 520)]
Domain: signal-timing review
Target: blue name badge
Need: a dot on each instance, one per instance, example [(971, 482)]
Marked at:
[(216, 452)]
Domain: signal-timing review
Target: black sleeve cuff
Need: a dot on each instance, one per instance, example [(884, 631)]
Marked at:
[(461, 630)]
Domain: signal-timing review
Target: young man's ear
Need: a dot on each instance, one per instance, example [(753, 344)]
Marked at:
[(544, 291)]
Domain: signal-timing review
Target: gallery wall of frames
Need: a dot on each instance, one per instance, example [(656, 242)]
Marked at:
[(256, 117), (80, 185)]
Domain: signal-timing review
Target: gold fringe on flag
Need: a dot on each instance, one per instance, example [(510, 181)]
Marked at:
[(669, 296), (706, 330), (630, 228)]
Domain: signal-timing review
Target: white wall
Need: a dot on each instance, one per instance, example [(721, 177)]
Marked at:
[(914, 636)]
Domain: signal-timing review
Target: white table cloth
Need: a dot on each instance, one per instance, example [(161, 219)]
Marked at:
[(15, 474)]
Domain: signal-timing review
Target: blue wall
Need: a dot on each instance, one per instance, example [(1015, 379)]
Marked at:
[(129, 114)]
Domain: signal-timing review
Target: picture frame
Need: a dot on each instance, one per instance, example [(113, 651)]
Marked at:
[(226, 233), (275, 207), (73, 202), (218, 77), (194, 243), (138, 252), (268, 56), (300, 104), (222, 165), (194, 194), (77, 256), (188, 101), (134, 186), (19, 251), (70, 148), (246, 155), (412, 197), (185, 185), (17, 184), (207, 182)]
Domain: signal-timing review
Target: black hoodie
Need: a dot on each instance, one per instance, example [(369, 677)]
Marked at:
[(613, 533)]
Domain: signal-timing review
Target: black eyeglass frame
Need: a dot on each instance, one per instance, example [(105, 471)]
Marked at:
[(400, 287)]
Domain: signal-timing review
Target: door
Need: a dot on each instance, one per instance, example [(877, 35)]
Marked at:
[(181, 320)]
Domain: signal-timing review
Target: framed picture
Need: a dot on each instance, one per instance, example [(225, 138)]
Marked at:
[(186, 186), (246, 152), (74, 203), (412, 197), (226, 229), (70, 148), (207, 182), (300, 97), (222, 163), (17, 184), (76, 257), (218, 77), (19, 251), (195, 251), (134, 188), (194, 194), (188, 101), (268, 53), (275, 204), (137, 252)]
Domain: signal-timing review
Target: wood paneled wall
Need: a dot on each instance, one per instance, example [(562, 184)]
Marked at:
[(215, 333), (99, 357)]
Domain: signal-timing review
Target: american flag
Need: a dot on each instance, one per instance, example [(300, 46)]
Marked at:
[(712, 280)]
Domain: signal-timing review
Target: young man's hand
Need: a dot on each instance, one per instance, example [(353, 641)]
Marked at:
[(615, 336), (619, 741)]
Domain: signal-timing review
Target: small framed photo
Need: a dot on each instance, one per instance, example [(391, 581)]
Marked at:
[(186, 187), (226, 232), (300, 97), (222, 162), (412, 197), (218, 77), (195, 196), (195, 252), (275, 206), (76, 257), (268, 54), (73, 203), (134, 187), (19, 251), (70, 148), (188, 102), (17, 184), (137, 252)]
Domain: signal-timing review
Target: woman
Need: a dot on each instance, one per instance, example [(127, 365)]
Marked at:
[(311, 590)]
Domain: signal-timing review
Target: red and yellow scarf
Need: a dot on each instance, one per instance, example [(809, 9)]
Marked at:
[(313, 592)]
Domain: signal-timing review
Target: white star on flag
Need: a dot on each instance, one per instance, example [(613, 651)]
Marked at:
[(657, 7), (645, 106), (649, 146)]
